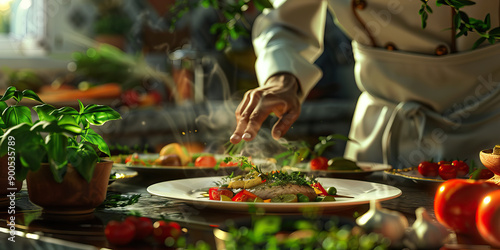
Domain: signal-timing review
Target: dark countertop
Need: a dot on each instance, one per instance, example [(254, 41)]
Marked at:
[(198, 224)]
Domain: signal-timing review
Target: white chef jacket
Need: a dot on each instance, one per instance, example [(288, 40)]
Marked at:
[(424, 94)]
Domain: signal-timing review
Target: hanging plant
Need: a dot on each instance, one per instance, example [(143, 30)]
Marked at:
[(462, 23)]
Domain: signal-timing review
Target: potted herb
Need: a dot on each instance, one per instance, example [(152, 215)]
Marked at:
[(59, 153), (14, 115), (111, 24)]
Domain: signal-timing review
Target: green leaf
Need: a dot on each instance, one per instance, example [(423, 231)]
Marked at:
[(464, 17), (28, 146), (30, 94), (267, 225), (64, 111), (495, 32), (478, 42), (44, 112), (491, 40), (69, 124), (9, 93), (94, 138), (3, 106), (487, 21), (99, 114), (83, 158), (262, 4), (57, 151), (15, 115)]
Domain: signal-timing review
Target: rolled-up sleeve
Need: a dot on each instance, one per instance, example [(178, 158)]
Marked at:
[(289, 38)]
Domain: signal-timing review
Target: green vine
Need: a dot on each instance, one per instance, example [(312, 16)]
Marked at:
[(232, 22), (463, 24)]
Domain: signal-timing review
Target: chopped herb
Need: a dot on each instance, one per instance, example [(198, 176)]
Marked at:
[(119, 200)]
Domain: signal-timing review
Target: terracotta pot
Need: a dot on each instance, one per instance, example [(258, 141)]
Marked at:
[(114, 40), (74, 195), (490, 161), (6, 186)]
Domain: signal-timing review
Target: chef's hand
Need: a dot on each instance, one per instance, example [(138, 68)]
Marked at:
[(279, 96)]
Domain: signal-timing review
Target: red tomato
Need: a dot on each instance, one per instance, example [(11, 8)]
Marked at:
[(456, 202), (447, 171), (119, 233), (319, 163), (214, 193), (244, 196), (428, 169), (163, 230), (229, 164), (488, 218), (443, 162), (130, 98), (205, 161), (143, 226), (462, 168), (486, 174)]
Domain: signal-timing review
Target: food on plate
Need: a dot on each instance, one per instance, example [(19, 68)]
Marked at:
[(428, 169), (177, 149), (274, 186), (341, 163), (319, 163), (174, 155), (168, 160), (447, 170), (205, 161)]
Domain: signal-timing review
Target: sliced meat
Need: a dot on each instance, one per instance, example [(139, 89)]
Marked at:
[(268, 191)]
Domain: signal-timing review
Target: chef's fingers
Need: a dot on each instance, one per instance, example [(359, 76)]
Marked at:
[(258, 116), (243, 111), (282, 126)]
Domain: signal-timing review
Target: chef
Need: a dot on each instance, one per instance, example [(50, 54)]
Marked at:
[(426, 93)]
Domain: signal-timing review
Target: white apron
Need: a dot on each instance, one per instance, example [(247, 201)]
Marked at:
[(417, 107)]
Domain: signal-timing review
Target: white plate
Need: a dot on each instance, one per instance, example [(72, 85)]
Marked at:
[(189, 191), (366, 169)]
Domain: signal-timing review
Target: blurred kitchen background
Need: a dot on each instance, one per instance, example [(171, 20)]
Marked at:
[(167, 66)]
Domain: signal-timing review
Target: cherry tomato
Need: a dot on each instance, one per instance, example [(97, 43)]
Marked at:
[(462, 168), (119, 233), (486, 174), (244, 196), (456, 202), (428, 169), (162, 230), (447, 171), (205, 161), (214, 193), (130, 98), (143, 226), (488, 218), (319, 163), (229, 164), (443, 162)]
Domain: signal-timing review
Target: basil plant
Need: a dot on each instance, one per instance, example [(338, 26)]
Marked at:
[(60, 136)]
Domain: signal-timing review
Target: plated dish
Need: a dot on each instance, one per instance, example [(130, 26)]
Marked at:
[(413, 175), (366, 169), (191, 190), (177, 172)]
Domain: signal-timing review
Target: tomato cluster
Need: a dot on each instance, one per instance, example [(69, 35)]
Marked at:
[(470, 207), (449, 170), (135, 228), (319, 163)]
